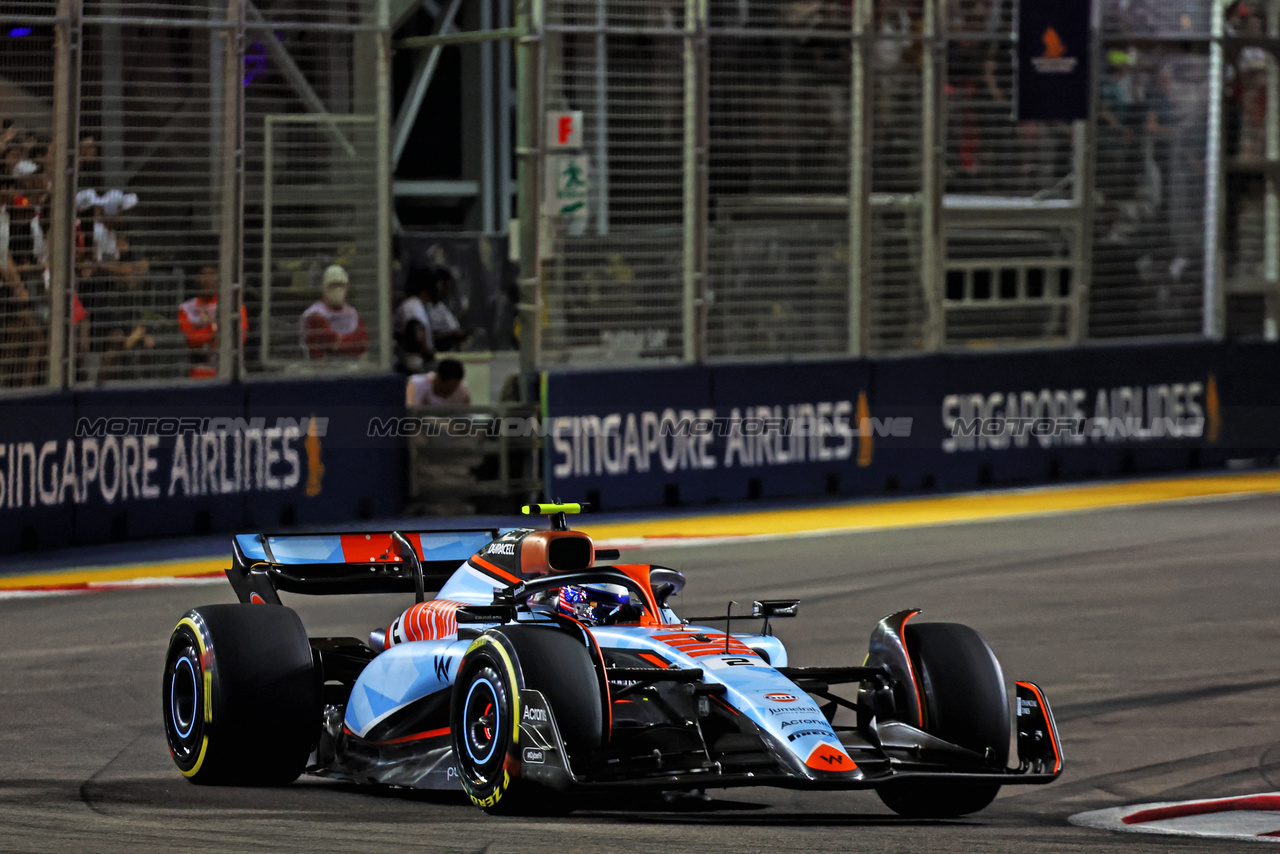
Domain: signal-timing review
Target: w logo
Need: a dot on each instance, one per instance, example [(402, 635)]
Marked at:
[(826, 757)]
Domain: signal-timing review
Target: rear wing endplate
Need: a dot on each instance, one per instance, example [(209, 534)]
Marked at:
[(367, 562)]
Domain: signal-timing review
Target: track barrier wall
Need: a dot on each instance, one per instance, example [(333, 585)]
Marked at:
[(857, 426), (93, 467), (102, 466)]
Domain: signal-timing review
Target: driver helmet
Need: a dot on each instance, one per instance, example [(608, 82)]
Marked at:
[(594, 603)]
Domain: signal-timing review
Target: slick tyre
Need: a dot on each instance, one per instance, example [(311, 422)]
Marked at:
[(239, 697), (963, 692), (484, 715)]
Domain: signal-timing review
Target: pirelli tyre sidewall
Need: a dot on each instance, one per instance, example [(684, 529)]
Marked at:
[(485, 720), (485, 713), (239, 697), (186, 696)]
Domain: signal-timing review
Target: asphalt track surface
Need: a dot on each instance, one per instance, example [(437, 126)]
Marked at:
[(1152, 629)]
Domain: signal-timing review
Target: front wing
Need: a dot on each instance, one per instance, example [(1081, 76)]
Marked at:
[(900, 753)]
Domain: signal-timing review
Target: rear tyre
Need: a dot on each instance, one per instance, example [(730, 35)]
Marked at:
[(483, 714), (239, 695), (963, 690)]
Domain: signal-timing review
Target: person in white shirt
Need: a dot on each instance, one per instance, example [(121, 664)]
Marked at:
[(412, 326), (332, 326), (446, 332), (441, 387)]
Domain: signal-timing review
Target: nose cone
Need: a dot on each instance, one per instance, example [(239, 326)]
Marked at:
[(826, 757)]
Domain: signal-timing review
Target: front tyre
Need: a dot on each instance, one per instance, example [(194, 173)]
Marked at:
[(963, 690), (483, 721), (239, 696), (485, 713)]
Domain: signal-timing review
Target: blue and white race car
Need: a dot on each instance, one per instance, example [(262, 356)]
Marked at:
[(543, 665)]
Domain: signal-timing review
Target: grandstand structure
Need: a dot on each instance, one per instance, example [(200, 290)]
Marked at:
[(653, 181)]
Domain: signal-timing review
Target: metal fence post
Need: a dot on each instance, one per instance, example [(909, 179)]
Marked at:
[(61, 245), (384, 179), (933, 185), (695, 181), (1271, 211), (600, 161), (504, 122), (1085, 141), (529, 152), (230, 341), (1215, 298), (860, 130), (268, 235)]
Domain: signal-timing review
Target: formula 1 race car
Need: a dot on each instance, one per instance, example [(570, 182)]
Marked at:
[(537, 671)]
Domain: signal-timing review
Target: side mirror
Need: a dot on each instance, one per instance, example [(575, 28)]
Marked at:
[(771, 608), (666, 583)]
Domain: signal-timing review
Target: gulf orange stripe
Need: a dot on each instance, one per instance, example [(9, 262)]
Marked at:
[(416, 736), (692, 649), (501, 573), (654, 660), (911, 669), (712, 642), (1057, 757), (726, 705)]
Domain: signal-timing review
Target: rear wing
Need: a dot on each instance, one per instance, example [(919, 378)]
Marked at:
[(328, 564)]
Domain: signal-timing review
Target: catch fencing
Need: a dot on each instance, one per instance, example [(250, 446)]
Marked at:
[(764, 180), (183, 173)]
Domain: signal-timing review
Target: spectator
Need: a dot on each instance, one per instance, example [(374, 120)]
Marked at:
[(23, 350), (1246, 121), (441, 387), (1119, 132), (8, 267), (22, 340), (111, 275), (17, 152), (24, 244), (90, 165), (446, 333), (198, 320), (412, 326), (8, 133), (331, 326), (107, 224)]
